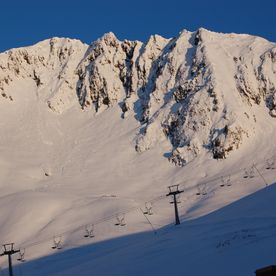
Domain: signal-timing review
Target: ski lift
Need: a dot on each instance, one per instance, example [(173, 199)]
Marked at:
[(89, 231), (225, 181), (198, 190), (148, 207), (57, 242), (270, 164), (21, 255), (120, 220), (201, 189), (249, 173), (204, 189)]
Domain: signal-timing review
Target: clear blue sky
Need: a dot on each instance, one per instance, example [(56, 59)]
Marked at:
[(24, 22)]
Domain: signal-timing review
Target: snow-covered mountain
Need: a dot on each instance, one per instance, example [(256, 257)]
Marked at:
[(201, 91), (90, 132)]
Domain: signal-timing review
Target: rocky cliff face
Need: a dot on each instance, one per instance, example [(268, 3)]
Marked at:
[(49, 68), (201, 91)]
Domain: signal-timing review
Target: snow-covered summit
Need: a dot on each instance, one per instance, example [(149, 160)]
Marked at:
[(87, 132), (201, 91), (48, 68)]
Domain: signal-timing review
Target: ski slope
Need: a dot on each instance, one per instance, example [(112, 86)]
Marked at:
[(234, 240), (80, 146)]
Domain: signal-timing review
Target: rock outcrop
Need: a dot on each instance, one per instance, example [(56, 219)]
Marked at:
[(201, 91)]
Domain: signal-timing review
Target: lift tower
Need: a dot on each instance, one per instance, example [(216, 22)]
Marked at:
[(9, 250), (174, 191)]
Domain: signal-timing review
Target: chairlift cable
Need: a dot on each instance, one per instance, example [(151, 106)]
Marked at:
[(152, 201)]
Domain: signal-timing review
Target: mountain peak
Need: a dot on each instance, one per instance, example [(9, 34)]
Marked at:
[(201, 91)]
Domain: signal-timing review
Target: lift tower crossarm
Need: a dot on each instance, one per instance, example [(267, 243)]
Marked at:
[(9, 250)]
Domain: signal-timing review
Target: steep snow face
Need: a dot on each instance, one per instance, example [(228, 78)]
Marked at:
[(85, 131), (47, 67), (203, 92), (209, 94), (105, 72)]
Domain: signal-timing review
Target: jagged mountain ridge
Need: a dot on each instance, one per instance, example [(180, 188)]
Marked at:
[(202, 91)]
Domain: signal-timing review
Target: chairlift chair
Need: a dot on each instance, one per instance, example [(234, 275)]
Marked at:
[(198, 190), (57, 243), (148, 207), (120, 221), (225, 181), (89, 231), (123, 223), (270, 164), (249, 173), (21, 255), (201, 189)]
